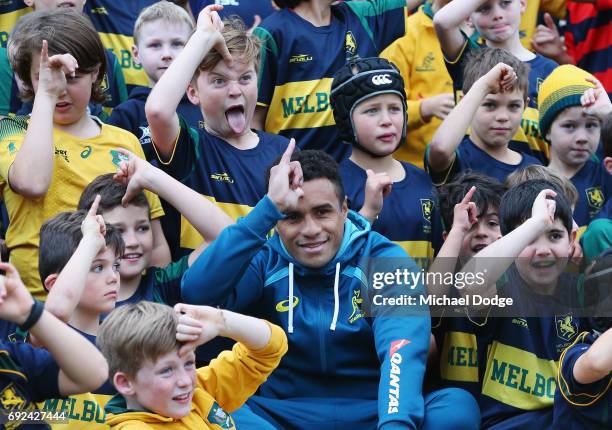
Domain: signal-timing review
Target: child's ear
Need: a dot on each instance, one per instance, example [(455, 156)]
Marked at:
[(50, 281), (29, 3), (94, 74), (192, 94), (123, 384), (135, 54), (523, 6), (607, 162), (444, 235)]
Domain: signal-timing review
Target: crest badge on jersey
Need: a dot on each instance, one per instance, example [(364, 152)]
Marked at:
[(595, 197), (219, 417), (350, 46), (356, 302), (567, 328)]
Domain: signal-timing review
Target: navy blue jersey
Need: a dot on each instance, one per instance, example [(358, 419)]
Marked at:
[(527, 139), (581, 406), (232, 178), (114, 21), (245, 9), (299, 60), (410, 215), (28, 375), (594, 186), (469, 156), (130, 115), (456, 340), (518, 356)]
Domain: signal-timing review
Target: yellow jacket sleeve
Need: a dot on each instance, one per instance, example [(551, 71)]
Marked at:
[(235, 375)]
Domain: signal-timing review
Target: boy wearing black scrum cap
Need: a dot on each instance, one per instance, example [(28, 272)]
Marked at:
[(369, 105)]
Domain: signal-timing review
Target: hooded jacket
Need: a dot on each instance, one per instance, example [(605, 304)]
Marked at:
[(335, 349), (221, 387)]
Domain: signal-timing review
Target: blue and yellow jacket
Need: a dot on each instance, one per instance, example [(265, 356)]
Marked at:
[(335, 349)]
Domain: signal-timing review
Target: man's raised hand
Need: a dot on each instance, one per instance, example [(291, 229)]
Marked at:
[(285, 184)]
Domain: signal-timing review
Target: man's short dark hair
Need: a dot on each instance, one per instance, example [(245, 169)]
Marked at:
[(316, 164), (517, 202), (480, 61), (60, 237), (288, 3), (488, 194), (111, 192)]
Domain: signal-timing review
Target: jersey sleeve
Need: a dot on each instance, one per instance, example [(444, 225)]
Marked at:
[(156, 209), (384, 20), (455, 66), (401, 341), (184, 154), (268, 65), (12, 133), (573, 392), (40, 369), (440, 178), (168, 281), (235, 375)]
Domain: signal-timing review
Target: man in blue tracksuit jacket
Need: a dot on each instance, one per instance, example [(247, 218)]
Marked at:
[(344, 369)]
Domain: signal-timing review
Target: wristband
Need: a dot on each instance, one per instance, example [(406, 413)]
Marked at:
[(35, 313)]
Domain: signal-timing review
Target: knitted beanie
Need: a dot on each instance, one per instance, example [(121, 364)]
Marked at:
[(561, 89)]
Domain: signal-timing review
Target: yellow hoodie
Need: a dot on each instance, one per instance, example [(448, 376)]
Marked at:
[(221, 387)]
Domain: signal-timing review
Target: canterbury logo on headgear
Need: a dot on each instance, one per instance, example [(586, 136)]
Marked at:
[(381, 79)]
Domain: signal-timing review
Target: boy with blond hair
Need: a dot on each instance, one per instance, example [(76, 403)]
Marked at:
[(225, 160), (160, 33), (495, 87), (497, 21), (150, 349), (46, 159)]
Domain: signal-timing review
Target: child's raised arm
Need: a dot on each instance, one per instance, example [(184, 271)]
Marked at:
[(451, 132), (464, 217), (65, 293), (170, 89), (447, 23), (497, 257), (82, 366), (207, 218), (31, 172), (199, 324), (596, 363)]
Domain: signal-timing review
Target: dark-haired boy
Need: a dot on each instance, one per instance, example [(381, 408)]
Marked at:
[(498, 22), (518, 353), (495, 87), (79, 265), (124, 206), (470, 211), (308, 279)]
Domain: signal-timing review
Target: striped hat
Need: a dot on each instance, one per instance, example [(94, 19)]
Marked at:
[(561, 89)]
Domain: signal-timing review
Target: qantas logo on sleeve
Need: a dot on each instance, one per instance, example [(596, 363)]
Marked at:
[(397, 345), (394, 375)]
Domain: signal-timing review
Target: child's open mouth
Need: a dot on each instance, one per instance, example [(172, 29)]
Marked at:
[(236, 119)]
